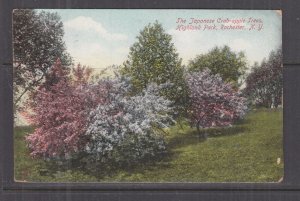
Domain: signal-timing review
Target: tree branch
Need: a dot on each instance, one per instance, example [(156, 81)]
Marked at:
[(27, 88)]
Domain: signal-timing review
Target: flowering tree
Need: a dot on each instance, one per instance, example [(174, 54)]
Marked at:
[(127, 129), (264, 83), (59, 113), (213, 103)]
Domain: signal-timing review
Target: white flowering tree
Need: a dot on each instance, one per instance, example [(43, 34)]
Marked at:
[(213, 103), (127, 129)]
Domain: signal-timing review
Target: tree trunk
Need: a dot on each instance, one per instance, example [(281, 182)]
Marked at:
[(201, 135)]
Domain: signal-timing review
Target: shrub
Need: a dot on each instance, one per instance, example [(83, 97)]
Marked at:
[(59, 113), (124, 129)]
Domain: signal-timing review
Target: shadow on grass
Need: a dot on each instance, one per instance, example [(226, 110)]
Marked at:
[(102, 171), (56, 169), (192, 137), (184, 136)]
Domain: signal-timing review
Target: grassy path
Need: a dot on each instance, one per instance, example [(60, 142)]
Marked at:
[(247, 152)]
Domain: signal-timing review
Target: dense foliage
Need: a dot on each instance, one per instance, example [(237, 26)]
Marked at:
[(153, 59), (213, 103), (97, 120), (231, 66), (59, 113), (264, 83), (37, 43), (127, 129)]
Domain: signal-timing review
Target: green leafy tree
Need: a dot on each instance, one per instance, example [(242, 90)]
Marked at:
[(231, 66), (37, 43), (153, 59)]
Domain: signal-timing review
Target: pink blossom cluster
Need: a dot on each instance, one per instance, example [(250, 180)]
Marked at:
[(59, 113), (213, 103)]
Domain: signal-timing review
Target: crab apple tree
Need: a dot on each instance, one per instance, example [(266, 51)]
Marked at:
[(213, 103), (59, 113), (127, 129)]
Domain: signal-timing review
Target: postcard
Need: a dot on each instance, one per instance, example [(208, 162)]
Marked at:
[(147, 95)]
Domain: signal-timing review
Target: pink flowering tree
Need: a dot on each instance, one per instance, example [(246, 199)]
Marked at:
[(213, 103), (59, 111)]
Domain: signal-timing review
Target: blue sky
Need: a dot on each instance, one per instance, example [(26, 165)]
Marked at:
[(102, 37)]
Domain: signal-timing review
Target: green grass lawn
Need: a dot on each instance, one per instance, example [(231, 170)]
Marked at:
[(247, 152)]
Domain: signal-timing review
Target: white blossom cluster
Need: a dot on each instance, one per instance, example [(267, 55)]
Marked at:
[(128, 126)]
